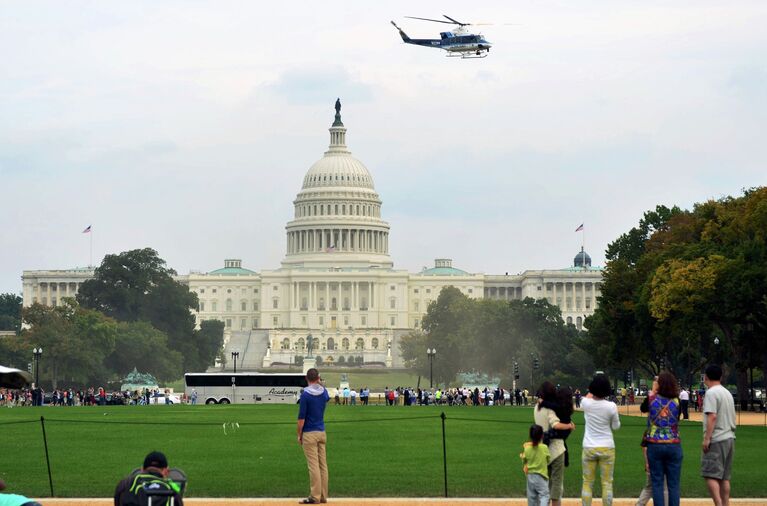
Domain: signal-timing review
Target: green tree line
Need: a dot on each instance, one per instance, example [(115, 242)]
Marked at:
[(131, 314), (490, 336), (687, 287)]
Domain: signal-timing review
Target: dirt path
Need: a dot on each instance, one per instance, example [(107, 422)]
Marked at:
[(392, 502)]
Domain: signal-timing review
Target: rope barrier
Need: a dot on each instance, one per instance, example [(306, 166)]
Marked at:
[(18, 422)]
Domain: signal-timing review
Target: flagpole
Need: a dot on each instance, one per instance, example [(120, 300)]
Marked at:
[(90, 258)]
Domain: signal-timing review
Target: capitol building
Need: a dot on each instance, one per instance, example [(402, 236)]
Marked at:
[(337, 282)]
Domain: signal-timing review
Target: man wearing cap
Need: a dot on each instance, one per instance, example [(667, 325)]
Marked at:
[(311, 436), (154, 470)]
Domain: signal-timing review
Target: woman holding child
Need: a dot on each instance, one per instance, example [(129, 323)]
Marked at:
[(545, 415)]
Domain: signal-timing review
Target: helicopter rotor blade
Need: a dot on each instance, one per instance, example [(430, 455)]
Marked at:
[(434, 20), (455, 21)]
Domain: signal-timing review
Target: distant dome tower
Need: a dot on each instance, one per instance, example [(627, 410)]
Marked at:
[(582, 259), (337, 220)]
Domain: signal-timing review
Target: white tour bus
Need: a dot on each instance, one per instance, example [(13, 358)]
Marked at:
[(244, 387)]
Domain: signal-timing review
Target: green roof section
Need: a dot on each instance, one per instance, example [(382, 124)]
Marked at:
[(232, 267), (443, 267), (444, 271), (232, 271)]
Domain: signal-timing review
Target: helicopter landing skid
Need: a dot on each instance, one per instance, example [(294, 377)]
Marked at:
[(467, 56)]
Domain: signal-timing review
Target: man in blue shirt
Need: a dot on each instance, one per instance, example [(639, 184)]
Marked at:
[(311, 436)]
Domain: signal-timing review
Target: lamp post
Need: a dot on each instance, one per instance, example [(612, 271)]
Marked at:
[(235, 356), (37, 353), (431, 353)]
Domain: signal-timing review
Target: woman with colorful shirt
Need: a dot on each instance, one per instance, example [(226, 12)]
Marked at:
[(664, 449)]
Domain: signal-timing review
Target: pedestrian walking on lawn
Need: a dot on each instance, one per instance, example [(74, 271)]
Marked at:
[(311, 436)]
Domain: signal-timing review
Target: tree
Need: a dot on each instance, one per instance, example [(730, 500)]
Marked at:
[(75, 341), (139, 345), (683, 278), (10, 312), (136, 285)]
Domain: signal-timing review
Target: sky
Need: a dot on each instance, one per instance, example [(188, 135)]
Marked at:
[(188, 126)]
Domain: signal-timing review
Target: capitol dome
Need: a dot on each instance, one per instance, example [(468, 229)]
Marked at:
[(582, 259), (338, 169), (337, 219)]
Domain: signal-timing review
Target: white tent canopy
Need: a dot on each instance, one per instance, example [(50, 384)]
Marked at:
[(14, 378)]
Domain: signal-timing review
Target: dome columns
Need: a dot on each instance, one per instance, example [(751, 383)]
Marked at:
[(337, 239)]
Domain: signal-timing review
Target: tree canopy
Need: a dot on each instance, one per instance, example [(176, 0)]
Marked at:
[(681, 281), (137, 286), (10, 312), (490, 336)]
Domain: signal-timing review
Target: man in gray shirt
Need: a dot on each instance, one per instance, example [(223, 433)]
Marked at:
[(718, 436)]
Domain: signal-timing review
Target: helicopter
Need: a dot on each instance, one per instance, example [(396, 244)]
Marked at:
[(457, 43)]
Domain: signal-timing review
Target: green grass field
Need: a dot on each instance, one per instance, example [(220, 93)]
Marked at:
[(371, 453)]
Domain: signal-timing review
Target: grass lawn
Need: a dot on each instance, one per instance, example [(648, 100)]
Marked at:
[(371, 453)]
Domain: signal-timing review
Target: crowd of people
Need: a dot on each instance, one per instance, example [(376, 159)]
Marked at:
[(81, 397)]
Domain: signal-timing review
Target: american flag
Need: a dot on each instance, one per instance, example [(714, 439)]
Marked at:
[(87, 230), (580, 227)]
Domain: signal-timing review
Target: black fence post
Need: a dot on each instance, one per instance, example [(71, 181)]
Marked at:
[(444, 450), (47, 459)]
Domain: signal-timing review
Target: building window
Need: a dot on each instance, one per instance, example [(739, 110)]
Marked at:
[(322, 321), (285, 344), (588, 303), (392, 288), (255, 305), (202, 290), (214, 290), (322, 303), (364, 303), (569, 320), (229, 323), (417, 323), (275, 303), (471, 290), (331, 344), (346, 304), (202, 305), (242, 291), (346, 321), (415, 306), (276, 321), (579, 323), (244, 305), (345, 343), (229, 290), (374, 343), (303, 320), (214, 306), (243, 323), (428, 290), (255, 290), (392, 303), (228, 304), (360, 344), (333, 304), (415, 290), (274, 288), (391, 320), (304, 304), (363, 320), (255, 323)]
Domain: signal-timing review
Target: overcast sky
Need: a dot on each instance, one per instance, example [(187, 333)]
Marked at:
[(188, 126)]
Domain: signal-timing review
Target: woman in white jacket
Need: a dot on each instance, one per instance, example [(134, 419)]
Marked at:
[(602, 419)]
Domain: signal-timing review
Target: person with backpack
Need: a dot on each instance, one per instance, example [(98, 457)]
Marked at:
[(136, 489)]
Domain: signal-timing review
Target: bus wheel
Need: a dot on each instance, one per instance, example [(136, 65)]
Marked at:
[(210, 401), (224, 401)]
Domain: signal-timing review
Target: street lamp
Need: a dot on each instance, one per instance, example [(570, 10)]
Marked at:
[(235, 356), (431, 353), (37, 352)]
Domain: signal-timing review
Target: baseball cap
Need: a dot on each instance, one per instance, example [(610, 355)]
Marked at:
[(156, 459)]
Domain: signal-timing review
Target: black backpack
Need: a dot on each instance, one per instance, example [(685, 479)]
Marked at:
[(146, 489)]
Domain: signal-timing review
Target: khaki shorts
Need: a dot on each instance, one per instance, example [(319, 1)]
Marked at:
[(557, 477), (717, 462)]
